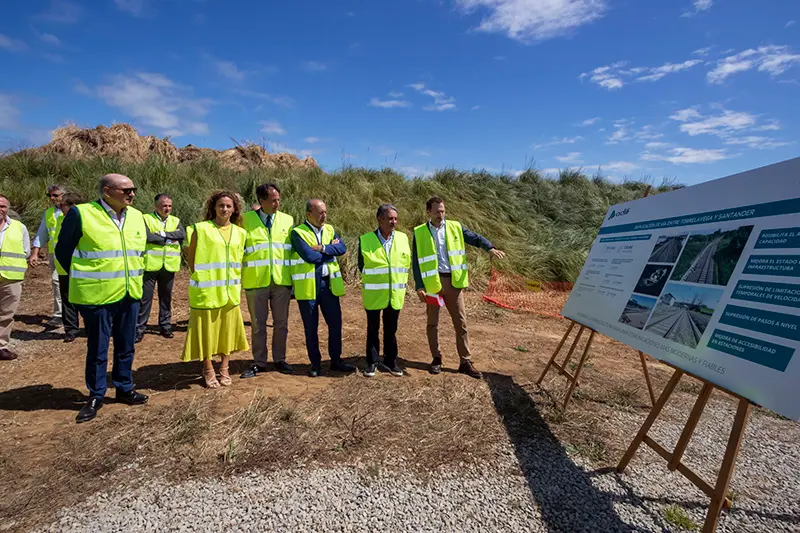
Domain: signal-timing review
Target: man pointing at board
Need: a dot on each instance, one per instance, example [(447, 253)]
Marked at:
[(439, 261)]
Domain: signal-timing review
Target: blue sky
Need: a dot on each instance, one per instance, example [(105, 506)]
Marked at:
[(690, 89)]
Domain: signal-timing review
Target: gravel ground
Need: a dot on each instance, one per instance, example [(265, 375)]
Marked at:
[(532, 486)]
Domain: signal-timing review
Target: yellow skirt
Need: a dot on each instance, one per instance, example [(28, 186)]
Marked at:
[(214, 332)]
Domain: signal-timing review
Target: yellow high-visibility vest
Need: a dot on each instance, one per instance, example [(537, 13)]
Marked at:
[(59, 222), (384, 278), (156, 256), (108, 262), (216, 280), (267, 253), (303, 276), (13, 261), (429, 262), (50, 221)]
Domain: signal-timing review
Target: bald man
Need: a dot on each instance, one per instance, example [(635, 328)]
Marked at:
[(101, 246)]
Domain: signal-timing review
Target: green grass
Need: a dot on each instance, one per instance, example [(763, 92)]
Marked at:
[(546, 226), (679, 518), (522, 349)]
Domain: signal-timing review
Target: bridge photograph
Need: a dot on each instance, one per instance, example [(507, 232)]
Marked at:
[(683, 313), (667, 249), (710, 257), (637, 310)]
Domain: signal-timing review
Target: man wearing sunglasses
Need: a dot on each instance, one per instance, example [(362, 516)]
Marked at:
[(101, 246), (45, 237)]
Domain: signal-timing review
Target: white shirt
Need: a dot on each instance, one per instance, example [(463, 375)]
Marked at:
[(441, 246), (113, 214), (265, 218), (387, 243), (26, 238), (42, 237), (318, 233)]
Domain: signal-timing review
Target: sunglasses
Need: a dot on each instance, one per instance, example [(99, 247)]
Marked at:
[(55, 195), (126, 190)]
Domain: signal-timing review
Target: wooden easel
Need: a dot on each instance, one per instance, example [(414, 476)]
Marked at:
[(573, 378), (717, 493)]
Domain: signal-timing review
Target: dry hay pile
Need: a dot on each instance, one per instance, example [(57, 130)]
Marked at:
[(124, 142)]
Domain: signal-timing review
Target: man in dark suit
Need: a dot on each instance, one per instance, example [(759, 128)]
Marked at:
[(317, 282)]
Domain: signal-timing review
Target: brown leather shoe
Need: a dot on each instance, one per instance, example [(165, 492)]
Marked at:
[(467, 368), (7, 355)]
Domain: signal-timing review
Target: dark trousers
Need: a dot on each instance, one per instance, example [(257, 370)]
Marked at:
[(165, 280), (115, 321), (332, 312), (390, 317), (69, 313)]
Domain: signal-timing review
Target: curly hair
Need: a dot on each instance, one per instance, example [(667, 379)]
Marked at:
[(211, 204)]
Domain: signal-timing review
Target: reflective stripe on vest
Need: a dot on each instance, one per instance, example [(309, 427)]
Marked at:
[(217, 277), (303, 277), (168, 256), (267, 253), (429, 262), (108, 262), (13, 261), (383, 280), (50, 222)]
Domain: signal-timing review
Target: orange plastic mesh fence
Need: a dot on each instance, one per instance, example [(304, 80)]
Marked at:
[(515, 292)]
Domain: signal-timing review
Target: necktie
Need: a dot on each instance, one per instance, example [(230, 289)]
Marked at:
[(269, 222)]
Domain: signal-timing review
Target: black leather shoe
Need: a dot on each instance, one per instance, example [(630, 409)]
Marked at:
[(284, 368), (131, 397), (139, 337), (253, 371), (167, 333), (436, 366), (7, 355), (69, 337), (341, 366), (89, 411), (314, 372)]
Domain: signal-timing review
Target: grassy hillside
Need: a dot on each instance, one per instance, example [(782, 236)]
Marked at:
[(545, 225)]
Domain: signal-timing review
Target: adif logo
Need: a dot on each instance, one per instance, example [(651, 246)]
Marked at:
[(615, 214)]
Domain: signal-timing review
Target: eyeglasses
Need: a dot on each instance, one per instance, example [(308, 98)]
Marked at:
[(126, 190), (59, 195)]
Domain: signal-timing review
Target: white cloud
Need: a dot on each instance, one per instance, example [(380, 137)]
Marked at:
[(8, 113), (614, 76), (556, 142), (624, 131), (415, 172), (61, 12), (275, 147), (422, 153), (702, 51), (682, 155), (311, 140), (772, 59), (572, 158), (623, 167), (272, 127), (314, 66), (655, 145), (283, 101), (474, 108), (699, 6), (155, 101), (441, 102), (590, 121), (388, 104), (790, 23), (758, 142), (134, 7), (727, 122), (11, 44), (535, 20), (49, 38), (228, 69), (395, 94)]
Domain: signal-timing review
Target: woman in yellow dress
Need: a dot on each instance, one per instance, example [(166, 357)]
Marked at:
[(215, 255)]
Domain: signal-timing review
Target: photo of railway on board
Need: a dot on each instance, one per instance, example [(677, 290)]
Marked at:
[(710, 257)]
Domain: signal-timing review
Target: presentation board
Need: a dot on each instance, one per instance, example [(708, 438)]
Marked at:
[(706, 278)]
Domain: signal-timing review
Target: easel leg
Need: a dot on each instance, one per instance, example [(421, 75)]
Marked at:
[(558, 349), (691, 424), (574, 382), (728, 462), (651, 418), (647, 379)]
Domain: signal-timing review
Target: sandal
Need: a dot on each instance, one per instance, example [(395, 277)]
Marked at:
[(210, 378), (224, 376)]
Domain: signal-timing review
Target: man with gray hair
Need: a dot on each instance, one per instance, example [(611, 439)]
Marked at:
[(384, 258), (46, 237), (101, 245)]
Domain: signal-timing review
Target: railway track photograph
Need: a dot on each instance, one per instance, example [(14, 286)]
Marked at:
[(667, 249), (710, 257), (637, 310), (683, 313)]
